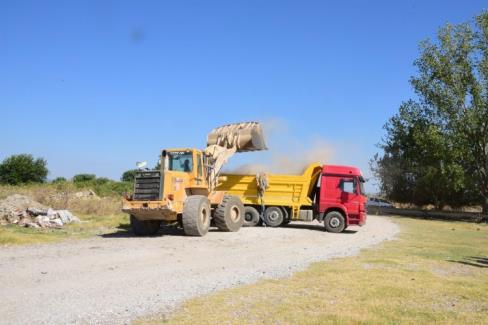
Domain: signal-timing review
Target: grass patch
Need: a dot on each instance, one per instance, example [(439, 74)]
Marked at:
[(101, 186), (63, 196), (435, 271), (91, 225)]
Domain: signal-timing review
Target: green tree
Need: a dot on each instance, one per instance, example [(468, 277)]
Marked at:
[(129, 175), (84, 178), (59, 180), (418, 165), (437, 147), (23, 168)]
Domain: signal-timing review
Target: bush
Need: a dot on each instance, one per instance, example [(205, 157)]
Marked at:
[(102, 180), (101, 186), (59, 180), (23, 168), (129, 175), (83, 178)]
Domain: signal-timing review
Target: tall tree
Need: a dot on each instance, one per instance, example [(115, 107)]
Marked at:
[(23, 168), (451, 141)]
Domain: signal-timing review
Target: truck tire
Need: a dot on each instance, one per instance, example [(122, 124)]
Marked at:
[(229, 215), (144, 227), (334, 222), (251, 216), (196, 215), (273, 216), (286, 216)]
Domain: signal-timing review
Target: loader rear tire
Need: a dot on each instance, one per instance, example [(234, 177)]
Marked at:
[(229, 215), (144, 227), (251, 216), (273, 216), (196, 215), (334, 222)]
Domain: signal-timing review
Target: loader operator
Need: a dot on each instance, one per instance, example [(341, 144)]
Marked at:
[(186, 166)]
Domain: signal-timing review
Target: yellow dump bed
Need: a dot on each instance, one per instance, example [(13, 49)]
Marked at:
[(291, 191)]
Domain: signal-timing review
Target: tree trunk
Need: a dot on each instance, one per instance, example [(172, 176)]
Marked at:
[(485, 207)]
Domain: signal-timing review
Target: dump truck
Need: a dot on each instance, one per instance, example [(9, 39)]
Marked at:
[(183, 189), (331, 194)]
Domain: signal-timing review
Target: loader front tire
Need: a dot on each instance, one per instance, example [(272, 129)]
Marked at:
[(196, 215), (229, 215), (144, 227), (251, 216)]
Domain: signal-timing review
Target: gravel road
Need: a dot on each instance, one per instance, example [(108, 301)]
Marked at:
[(116, 278)]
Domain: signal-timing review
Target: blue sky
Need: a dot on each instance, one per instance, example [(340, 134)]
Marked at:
[(93, 86)]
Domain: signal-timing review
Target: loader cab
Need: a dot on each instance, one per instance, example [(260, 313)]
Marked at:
[(187, 161), (180, 161)]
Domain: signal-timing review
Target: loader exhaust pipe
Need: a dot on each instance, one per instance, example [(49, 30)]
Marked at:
[(247, 136)]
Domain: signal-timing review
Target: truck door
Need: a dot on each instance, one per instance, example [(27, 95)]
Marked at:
[(350, 197)]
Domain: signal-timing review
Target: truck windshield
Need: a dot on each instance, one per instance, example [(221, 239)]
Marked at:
[(180, 161)]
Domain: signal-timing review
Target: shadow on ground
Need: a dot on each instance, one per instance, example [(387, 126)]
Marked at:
[(314, 227), (124, 231), (477, 261)]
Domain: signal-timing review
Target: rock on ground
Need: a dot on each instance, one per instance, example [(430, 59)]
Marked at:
[(116, 278), (24, 211)]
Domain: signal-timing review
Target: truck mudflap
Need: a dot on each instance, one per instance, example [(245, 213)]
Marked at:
[(149, 210)]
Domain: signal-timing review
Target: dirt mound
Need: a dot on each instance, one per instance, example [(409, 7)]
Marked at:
[(20, 202), (24, 211)]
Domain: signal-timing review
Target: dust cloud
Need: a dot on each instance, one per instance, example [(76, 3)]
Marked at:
[(287, 154)]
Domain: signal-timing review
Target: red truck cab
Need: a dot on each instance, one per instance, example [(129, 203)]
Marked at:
[(341, 198)]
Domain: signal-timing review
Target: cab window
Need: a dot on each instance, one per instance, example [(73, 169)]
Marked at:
[(180, 161), (347, 185)]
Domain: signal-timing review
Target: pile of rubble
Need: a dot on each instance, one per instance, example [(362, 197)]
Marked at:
[(23, 211)]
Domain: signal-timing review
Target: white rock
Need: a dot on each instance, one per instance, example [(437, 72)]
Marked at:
[(52, 214), (42, 221), (57, 222), (66, 216)]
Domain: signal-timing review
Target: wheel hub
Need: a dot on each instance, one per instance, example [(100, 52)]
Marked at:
[(248, 217), (203, 215), (273, 216), (334, 222), (234, 214)]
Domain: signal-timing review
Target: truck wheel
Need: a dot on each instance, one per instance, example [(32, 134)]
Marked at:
[(196, 215), (286, 216), (334, 222), (144, 227), (229, 215), (273, 216), (251, 216)]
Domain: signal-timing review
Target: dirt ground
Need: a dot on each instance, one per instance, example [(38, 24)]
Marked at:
[(117, 277)]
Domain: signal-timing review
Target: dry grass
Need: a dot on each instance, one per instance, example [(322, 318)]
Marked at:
[(99, 214), (61, 196), (436, 272)]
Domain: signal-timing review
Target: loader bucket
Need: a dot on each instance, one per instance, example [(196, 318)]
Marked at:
[(247, 136)]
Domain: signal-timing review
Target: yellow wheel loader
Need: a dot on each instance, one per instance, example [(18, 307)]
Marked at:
[(183, 189)]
